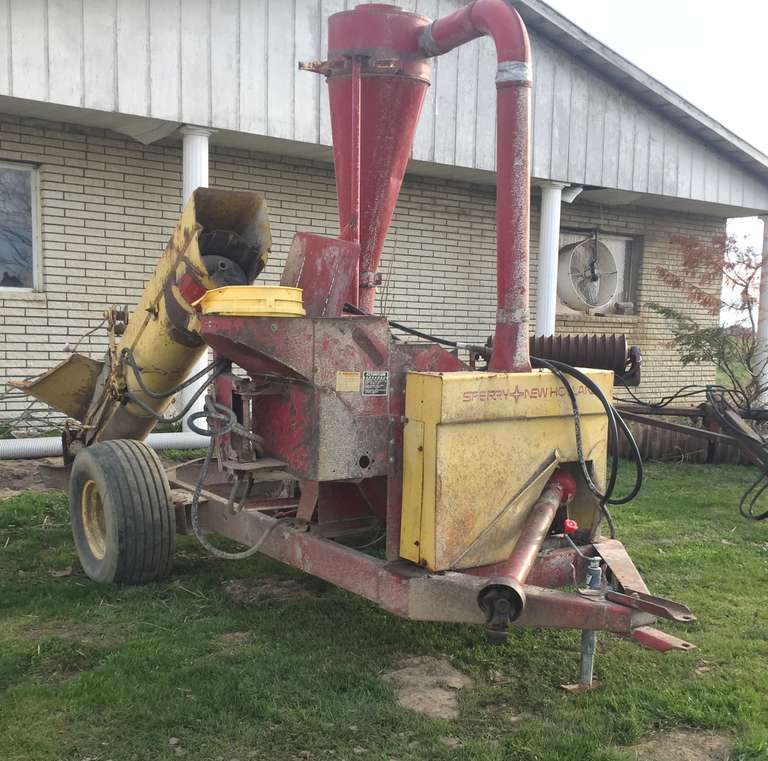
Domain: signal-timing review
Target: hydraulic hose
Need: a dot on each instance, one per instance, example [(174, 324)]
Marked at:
[(616, 424)]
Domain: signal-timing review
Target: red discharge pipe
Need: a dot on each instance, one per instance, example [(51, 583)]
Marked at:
[(560, 488), (497, 19), (503, 598)]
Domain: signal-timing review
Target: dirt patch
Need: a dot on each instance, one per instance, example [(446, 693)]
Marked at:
[(17, 476), (234, 639), (250, 592), (428, 686), (67, 631), (682, 745), (505, 712)]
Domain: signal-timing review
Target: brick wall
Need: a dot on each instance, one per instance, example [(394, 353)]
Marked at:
[(108, 204)]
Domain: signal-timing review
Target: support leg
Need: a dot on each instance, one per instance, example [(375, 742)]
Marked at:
[(587, 663)]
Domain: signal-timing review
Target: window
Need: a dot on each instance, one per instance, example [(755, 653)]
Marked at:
[(597, 272), (18, 227)]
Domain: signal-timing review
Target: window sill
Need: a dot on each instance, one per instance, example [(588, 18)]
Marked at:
[(608, 318), (13, 294)]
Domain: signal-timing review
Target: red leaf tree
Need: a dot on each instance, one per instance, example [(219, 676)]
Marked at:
[(722, 276)]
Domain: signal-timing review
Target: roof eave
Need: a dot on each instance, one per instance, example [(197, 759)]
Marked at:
[(548, 22)]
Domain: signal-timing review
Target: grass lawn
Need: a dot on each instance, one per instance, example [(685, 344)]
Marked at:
[(98, 672)]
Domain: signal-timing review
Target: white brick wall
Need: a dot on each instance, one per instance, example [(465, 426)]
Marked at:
[(108, 204)]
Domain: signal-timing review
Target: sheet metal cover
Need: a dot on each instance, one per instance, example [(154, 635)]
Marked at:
[(478, 448)]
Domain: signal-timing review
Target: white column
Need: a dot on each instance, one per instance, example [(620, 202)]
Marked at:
[(195, 159), (762, 318), (195, 175), (549, 247)]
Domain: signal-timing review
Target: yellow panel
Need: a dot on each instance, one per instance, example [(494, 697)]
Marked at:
[(410, 528), (489, 444), (68, 387)]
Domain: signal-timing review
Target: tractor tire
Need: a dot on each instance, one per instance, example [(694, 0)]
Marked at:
[(123, 520)]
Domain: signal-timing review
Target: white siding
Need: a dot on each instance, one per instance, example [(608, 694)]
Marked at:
[(232, 64)]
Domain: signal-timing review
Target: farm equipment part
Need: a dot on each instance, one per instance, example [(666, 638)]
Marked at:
[(723, 420), (487, 487)]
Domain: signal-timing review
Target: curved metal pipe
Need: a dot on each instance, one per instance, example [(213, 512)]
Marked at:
[(500, 21)]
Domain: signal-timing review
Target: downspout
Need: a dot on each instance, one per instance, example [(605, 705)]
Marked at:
[(500, 21)]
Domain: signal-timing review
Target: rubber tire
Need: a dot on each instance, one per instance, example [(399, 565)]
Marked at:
[(139, 519)]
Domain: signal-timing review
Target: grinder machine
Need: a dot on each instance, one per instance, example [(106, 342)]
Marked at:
[(444, 482)]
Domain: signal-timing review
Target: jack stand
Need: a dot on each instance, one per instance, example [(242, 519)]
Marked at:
[(586, 665)]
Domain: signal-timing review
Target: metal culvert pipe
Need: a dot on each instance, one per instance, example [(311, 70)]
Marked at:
[(50, 446)]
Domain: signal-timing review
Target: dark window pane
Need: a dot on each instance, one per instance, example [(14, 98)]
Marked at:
[(16, 234)]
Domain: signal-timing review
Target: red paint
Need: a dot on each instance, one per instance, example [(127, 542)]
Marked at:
[(351, 229), (495, 18), (393, 84), (659, 640), (559, 489), (190, 287), (535, 531), (373, 121), (324, 269), (499, 20), (567, 484)]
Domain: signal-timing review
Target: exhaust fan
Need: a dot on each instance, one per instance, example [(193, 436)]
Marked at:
[(587, 276)]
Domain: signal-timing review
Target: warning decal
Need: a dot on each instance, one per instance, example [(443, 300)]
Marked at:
[(347, 382), (375, 383)]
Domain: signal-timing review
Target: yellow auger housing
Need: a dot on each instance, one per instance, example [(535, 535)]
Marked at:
[(222, 238)]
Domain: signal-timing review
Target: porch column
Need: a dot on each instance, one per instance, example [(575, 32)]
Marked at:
[(762, 318), (549, 246), (195, 175)]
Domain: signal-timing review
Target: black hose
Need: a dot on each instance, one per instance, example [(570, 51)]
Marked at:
[(128, 359), (692, 389), (615, 423), (352, 309), (227, 419), (755, 447), (212, 371), (749, 512), (612, 431)]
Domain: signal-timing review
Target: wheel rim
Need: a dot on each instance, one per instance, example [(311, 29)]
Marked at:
[(94, 521)]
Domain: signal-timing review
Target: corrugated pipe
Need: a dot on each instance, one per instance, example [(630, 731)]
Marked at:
[(50, 446)]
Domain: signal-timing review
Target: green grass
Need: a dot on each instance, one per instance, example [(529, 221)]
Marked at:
[(182, 455), (99, 672)]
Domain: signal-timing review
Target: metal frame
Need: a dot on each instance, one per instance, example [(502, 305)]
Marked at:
[(406, 590)]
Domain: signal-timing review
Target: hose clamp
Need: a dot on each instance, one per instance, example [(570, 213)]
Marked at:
[(514, 71)]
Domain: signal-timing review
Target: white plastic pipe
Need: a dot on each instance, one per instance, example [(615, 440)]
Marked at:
[(549, 247), (195, 175), (50, 446)]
